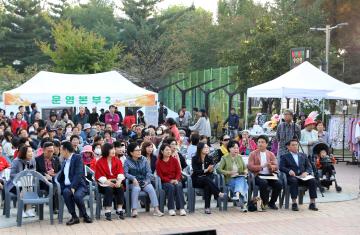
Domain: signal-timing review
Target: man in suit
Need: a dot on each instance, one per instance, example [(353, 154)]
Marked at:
[(263, 162), (72, 183), (295, 165), (48, 165)]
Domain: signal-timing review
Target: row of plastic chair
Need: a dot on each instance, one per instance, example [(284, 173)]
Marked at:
[(28, 192)]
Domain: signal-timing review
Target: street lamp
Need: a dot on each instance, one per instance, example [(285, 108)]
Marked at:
[(327, 31)]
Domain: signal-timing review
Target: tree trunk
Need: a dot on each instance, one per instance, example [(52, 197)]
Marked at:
[(332, 105), (277, 106), (242, 102)]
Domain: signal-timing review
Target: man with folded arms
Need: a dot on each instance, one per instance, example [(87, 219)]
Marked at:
[(263, 163), (297, 166)]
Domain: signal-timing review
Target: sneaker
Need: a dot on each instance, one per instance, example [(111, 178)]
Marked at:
[(108, 216), (244, 208), (207, 211), (172, 212), (236, 197), (121, 214), (332, 177), (221, 195), (25, 214), (31, 213), (294, 207), (158, 213), (182, 212), (313, 207), (134, 213)]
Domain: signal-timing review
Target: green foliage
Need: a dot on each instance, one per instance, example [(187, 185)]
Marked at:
[(79, 51), (21, 24), (96, 16)]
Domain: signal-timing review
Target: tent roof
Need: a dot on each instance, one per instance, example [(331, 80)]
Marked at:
[(304, 81), (49, 89), (350, 93), (58, 83)]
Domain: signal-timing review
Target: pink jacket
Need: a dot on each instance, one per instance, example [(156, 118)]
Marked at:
[(113, 120), (242, 148)]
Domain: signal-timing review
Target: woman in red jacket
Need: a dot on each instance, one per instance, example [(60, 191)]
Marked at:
[(168, 169), (110, 174), (17, 123)]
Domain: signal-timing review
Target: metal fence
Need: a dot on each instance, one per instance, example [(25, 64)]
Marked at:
[(218, 100)]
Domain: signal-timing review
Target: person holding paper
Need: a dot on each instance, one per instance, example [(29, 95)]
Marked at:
[(263, 163), (233, 168), (298, 171)]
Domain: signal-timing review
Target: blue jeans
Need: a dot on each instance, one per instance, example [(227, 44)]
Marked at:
[(239, 185), (135, 190), (174, 191)]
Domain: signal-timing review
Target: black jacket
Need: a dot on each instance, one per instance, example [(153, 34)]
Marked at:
[(198, 170), (288, 163), (40, 164)]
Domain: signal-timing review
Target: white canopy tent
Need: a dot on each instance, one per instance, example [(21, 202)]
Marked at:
[(350, 93), (303, 81), (49, 89)]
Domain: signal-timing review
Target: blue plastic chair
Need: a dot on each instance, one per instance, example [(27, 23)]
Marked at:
[(27, 185)]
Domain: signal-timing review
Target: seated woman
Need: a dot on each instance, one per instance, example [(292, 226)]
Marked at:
[(23, 161), (234, 170), (168, 169), (175, 153), (138, 171), (246, 144), (223, 150), (203, 175), (147, 150), (110, 174), (88, 156)]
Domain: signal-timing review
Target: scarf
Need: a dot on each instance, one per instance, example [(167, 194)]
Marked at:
[(224, 150)]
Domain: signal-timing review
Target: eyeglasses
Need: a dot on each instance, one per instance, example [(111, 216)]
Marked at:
[(122, 145), (226, 139)]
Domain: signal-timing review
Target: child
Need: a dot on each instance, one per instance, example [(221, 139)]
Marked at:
[(325, 163)]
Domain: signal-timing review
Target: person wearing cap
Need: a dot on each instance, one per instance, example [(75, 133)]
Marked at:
[(202, 126), (59, 133), (233, 123), (285, 131), (309, 136), (87, 155), (86, 134), (247, 145), (112, 118)]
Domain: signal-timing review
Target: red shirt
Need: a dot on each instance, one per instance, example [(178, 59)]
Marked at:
[(175, 132), (15, 124), (3, 163), (129, 121), (102, 168), (169, 170)]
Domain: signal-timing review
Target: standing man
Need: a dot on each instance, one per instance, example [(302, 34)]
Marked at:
[(187, 116), (297, 166), (72, 182), (285, 131), (112, 118), (163, 112), (34, 110), (233, 121), (93, 117), (81, 117)]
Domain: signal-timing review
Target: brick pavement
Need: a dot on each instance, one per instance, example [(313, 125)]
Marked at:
[(333, 218)]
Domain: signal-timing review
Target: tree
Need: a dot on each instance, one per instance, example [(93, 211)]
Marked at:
[(152, 49), (96, 16), (79, 51), (23, 23)]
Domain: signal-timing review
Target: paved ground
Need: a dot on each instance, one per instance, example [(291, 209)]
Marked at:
[(333, 218)]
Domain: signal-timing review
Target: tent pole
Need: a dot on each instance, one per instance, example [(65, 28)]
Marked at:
[(246, 110), (323, 110)]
